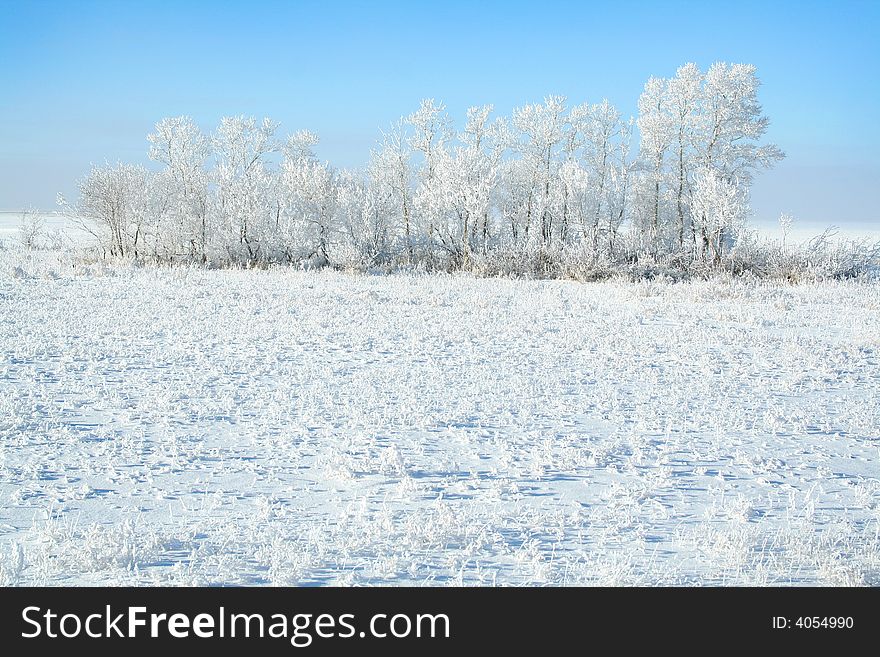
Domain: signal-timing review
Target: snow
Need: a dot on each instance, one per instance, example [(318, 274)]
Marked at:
[(10, 220), (57, 229), (802, 233), (188, 426)]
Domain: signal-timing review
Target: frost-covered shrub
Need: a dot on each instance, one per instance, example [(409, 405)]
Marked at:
[(30, 229), (818, 259)]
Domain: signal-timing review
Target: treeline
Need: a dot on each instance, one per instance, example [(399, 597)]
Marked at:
[(550, 184)]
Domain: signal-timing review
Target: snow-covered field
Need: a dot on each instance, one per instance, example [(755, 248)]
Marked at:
[(53, 222), (182, 426)]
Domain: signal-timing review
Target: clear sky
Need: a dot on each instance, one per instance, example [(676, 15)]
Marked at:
[(83, 82)]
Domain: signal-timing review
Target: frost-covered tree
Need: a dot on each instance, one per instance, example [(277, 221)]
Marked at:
[(619, 185), (118, 198), (604, 132), (576, 200), (486, 144), (656, 131), (362, 212), (244, 185), (683, 99), (179, 144), (300, 146), (540, 131), (390, 171), (731, 124), (431, 130), (458, 200), (311, 197), (457, 195), (689, 125), (722, 208)]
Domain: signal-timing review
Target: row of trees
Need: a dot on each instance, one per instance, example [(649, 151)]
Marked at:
[(550, 176)]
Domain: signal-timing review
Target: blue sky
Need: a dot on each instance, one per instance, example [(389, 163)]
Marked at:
[(83, 82)]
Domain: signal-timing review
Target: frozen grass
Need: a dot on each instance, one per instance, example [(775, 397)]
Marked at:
[(183, 426)]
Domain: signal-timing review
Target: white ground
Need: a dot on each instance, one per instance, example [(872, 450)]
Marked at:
[(282, 427), (52, 223)]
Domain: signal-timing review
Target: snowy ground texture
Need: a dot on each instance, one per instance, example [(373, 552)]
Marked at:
[(181, 426)]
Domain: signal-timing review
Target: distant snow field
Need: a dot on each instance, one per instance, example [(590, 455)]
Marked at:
[(183, 426), (10, 220), (55, 227)]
